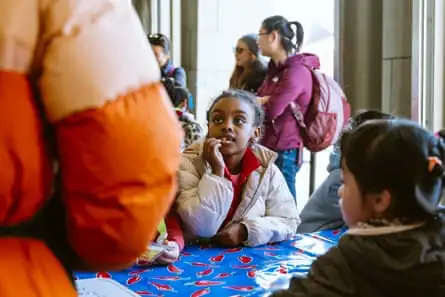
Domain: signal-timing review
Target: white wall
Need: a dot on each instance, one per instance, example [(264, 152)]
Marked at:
[(214, 30)]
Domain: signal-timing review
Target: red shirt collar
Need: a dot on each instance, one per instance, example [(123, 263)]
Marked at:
[(179, 112), (250, 163)]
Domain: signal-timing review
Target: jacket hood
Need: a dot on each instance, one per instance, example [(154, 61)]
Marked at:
[(264, 155), (310, 60)]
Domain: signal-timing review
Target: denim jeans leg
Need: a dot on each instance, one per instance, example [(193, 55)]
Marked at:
[(287, 162)]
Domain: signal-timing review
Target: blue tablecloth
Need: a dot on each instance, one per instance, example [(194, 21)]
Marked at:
[(207, 271)]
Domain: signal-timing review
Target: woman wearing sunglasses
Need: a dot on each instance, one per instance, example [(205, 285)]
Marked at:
[(250, 69)]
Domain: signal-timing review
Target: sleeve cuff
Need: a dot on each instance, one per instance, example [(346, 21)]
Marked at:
[(246, 242)]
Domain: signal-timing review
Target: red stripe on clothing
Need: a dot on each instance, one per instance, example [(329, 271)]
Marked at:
[(174, 229), (250, 163)]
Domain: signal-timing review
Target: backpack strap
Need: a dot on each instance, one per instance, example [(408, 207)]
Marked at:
[(312, 110), (298, 114)]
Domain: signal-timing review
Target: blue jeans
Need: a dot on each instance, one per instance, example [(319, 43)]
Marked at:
[(287, 162)]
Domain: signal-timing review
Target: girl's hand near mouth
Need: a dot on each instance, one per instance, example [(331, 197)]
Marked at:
[(212, 154), (226, 141)]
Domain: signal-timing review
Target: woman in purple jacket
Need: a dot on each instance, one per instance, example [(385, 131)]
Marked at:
[(288, 79)]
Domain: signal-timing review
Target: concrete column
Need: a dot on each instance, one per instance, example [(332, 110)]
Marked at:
[(397, 43), (360, 51), (143, 9), (189, 49)]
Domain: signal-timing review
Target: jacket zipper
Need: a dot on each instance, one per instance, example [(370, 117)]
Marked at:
[(256, 194)]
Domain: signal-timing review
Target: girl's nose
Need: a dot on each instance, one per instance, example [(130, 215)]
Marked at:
[(227, 128)]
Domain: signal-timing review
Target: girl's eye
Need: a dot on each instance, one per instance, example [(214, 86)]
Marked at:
[(239, 121), (217, 120)]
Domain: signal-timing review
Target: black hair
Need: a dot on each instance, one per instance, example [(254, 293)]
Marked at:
[(176, 91), (394, 155), (284, 28), (161, 40), (363, 116), (245, 96), (180, 94)]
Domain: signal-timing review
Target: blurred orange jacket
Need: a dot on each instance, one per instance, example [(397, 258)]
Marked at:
[(117, 137)]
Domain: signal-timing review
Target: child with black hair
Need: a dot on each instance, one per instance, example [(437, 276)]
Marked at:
[(230, 190), (393, 176), (180, 98), (322, 211)]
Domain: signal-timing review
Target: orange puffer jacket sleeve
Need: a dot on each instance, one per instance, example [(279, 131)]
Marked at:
[(117, 137)]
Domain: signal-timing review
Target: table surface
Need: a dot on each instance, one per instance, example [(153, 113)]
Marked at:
[(208, 271)]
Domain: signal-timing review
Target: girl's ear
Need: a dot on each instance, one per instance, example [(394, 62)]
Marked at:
[(381, 202), (255, 135), (273, 36)]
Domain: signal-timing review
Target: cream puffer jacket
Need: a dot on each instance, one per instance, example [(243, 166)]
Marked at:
[(267, 208)]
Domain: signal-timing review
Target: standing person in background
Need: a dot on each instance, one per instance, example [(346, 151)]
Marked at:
[(289, 79), (250, 69), (111, 135), (162, 48)]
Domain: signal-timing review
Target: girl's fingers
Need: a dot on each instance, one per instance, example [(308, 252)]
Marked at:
[(224, 140), (216, 148), (215, 144), (208, 146)]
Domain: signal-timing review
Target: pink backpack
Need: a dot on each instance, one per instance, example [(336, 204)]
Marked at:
[(326, 116)]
